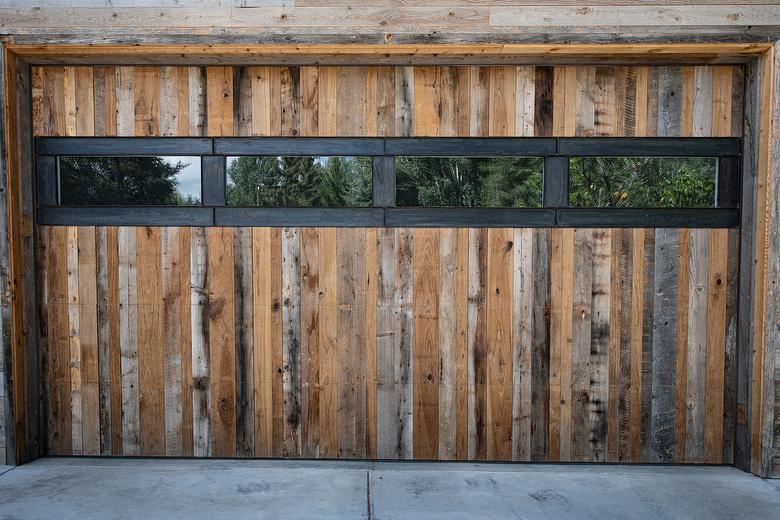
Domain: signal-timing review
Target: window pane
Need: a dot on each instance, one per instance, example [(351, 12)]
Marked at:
[(642, 182), (129, 181), (339, 182), (480, 182)]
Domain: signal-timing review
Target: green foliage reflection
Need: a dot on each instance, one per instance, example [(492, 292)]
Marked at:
[(642, 182), (485, 182), (299, 181)]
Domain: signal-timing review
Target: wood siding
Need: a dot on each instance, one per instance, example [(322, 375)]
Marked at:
[(500, 344), (482, 344), (389, 101)]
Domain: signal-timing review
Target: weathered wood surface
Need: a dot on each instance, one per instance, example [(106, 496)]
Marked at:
[(387, 21), (446, 386), (503, 344), (364, 101)]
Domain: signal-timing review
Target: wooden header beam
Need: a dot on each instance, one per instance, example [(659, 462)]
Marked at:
[(359, 54)]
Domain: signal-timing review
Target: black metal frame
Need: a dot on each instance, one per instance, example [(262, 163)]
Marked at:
[(555, 212)]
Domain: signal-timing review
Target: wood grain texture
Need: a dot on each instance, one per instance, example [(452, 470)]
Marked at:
[(500, 344)]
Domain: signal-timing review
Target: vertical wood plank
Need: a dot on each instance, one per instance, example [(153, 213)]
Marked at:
[(717, 284), (172, 332), (584, 262), (244, 324), (599, 396), (291, 341), (219, 96), (222, 341), (200, 324), (88, 340), (499, 342), (128, 341), (146, 81), (425, 348), (150, 340), (665, 304), (74, 342), (697, 346)]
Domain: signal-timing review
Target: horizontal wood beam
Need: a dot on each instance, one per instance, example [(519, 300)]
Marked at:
[(357, 54)]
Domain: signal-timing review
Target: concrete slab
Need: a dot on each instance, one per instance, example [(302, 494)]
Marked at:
[(179, 488)]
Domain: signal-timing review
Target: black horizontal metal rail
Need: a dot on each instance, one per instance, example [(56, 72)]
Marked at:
[(555, 210)]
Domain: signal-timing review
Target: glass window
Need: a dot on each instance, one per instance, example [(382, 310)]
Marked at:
[(642, 182), (480, 182), (129, 181), (267, 181)]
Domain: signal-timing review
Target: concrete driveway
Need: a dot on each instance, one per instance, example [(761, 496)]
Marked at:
[(155, 488)]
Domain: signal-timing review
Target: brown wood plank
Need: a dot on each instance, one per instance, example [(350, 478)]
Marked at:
[(185, 313), (90, 406), (502, 104), (74, 341), (598, 391), (219, 95), (290, 92), (500, 256), (310, 346), (128, 340), (265, 307), (681, 361), (200, 324), (477, 343), (462, 345), (328, 340), (427, 101), (172, 337), (636, 303), (425, 348), (222, 341), (244, 324), (697, 346), (370, 368), (150, 338), (584, 262), (716, 287), (522, 343), (448, 302), (291, 342), (540, 354), (146, 81)]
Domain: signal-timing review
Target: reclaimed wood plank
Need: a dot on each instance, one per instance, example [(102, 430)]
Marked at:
[(244, 324), (328, 340), (222, 341), (681, 359), (291, 342), (581, 333), (502, 102), (150, 338), (540, 347), (427, 101), (697, 346), (646, 397), (171, 259), (447, 343), (522, 343), (128, 340), (635, 343), (74, 341), (370, 368), (262, 340), (310, 346), (200, 325), (88, 340), (716, 287), (663, 441), (477, 346), (185, 334), (403, 338), (219, 100), (598, 391), (425, 347), (500, 261)]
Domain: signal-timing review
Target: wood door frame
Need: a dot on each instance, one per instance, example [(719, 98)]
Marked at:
[(761, 189)]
